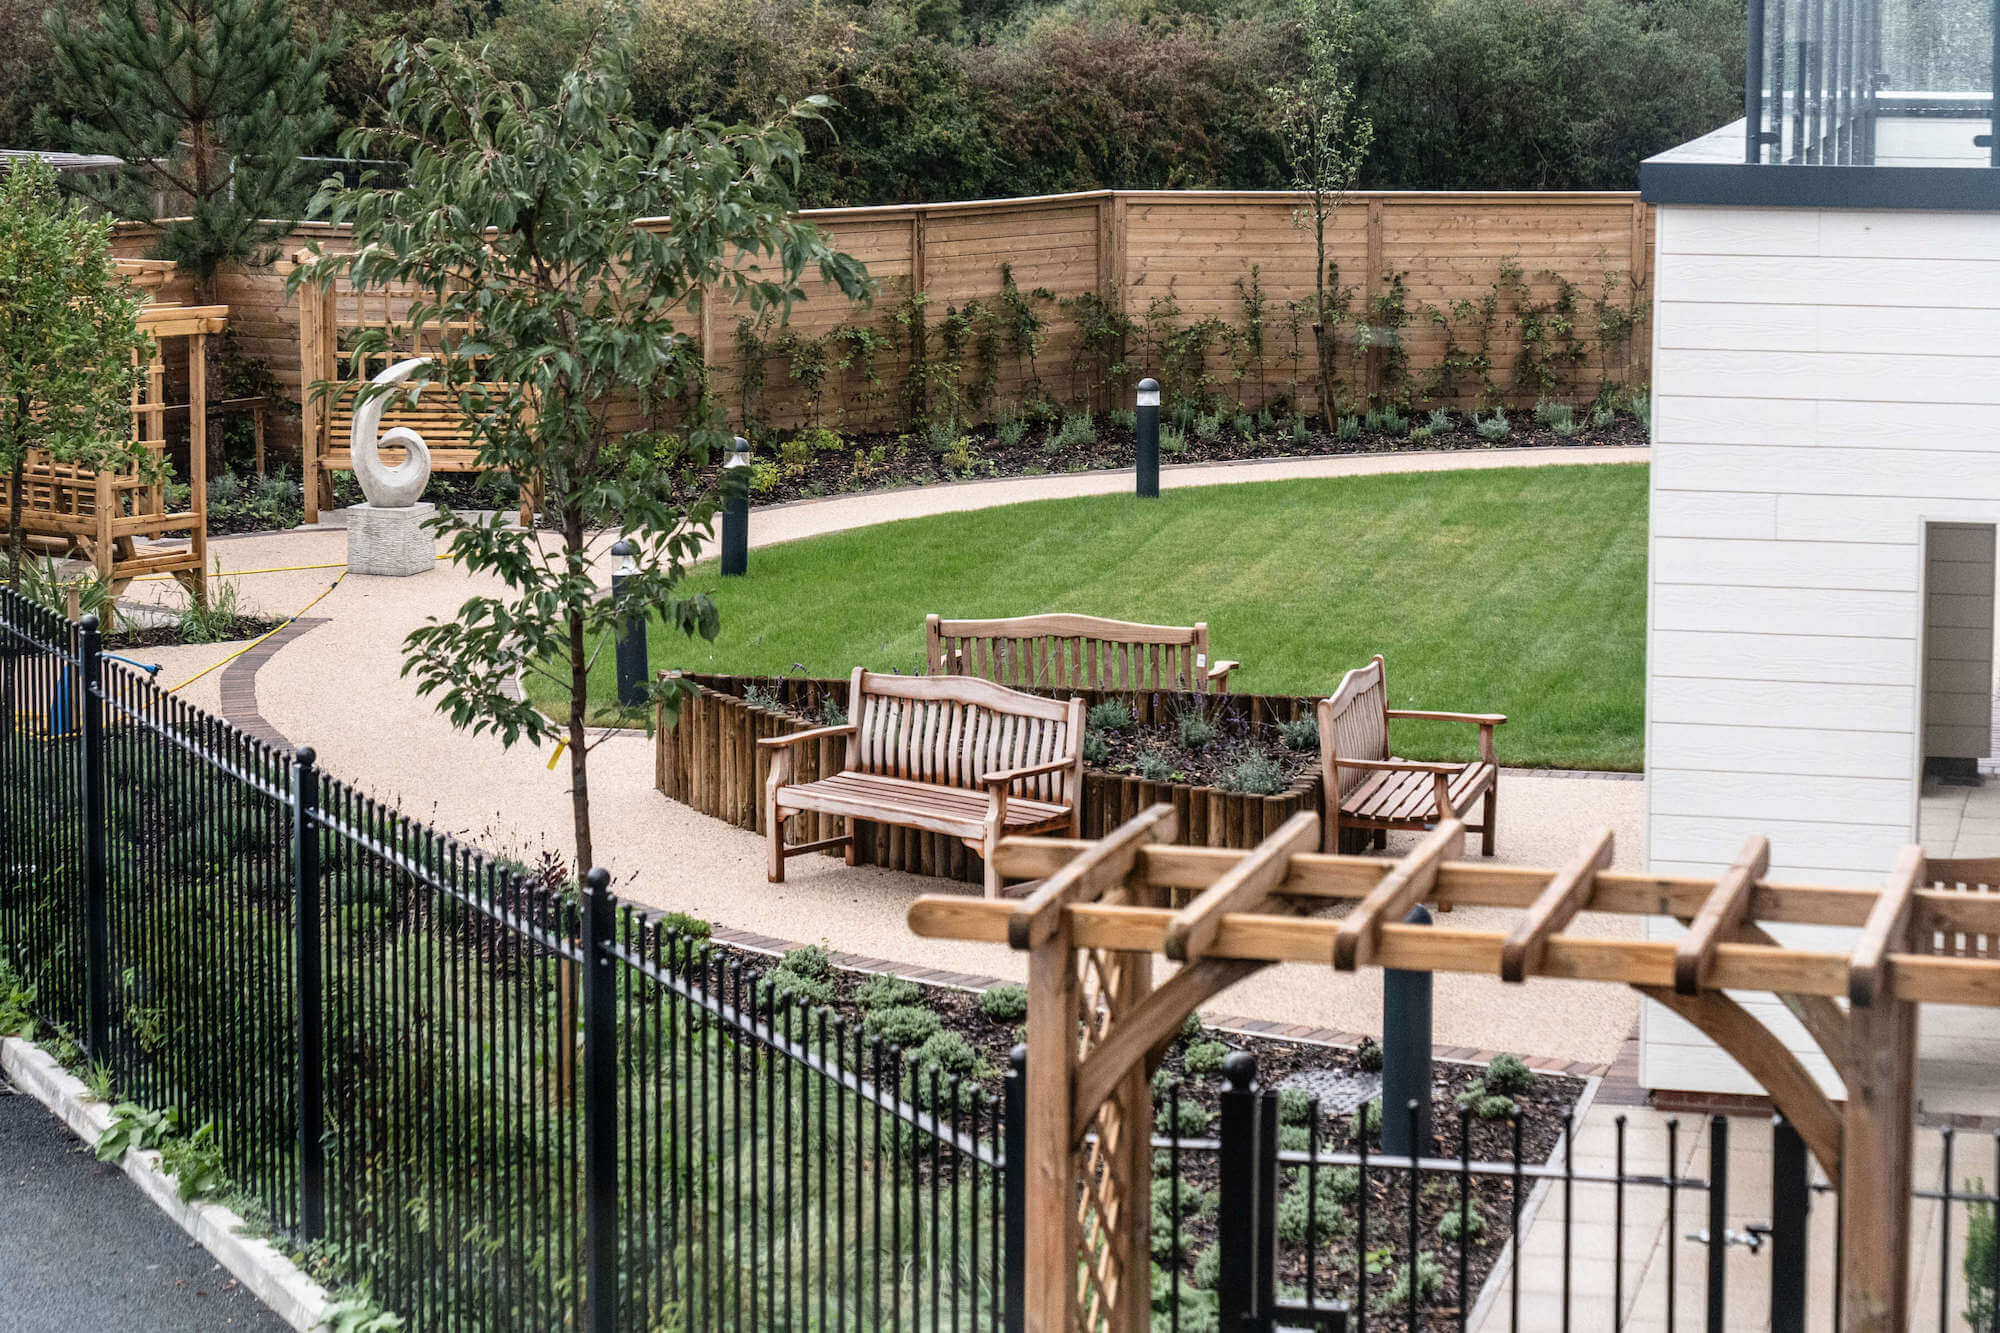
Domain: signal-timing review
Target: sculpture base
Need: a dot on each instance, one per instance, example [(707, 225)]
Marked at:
[(392, 543)]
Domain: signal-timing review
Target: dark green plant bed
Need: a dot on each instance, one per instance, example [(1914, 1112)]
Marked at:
[(822, 463), (1191, 1080), (172, 636)]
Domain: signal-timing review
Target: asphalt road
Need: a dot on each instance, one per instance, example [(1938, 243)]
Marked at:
[(82, 1249)]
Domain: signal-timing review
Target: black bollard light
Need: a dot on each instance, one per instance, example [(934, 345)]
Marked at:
[(736, 516), (1148, 431), (631, 634), (1406, 1055)]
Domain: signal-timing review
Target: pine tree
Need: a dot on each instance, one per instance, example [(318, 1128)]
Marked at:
[(210, 103)]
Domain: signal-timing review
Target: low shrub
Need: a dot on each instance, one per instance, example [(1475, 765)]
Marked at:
[(1258, 775), (1301, 733), (1077, 429), (1190, 1119), (1461, 1223), (1205, 1057), (1110, 715), (1208, 425), (950, 1054), (1096, 750), (1295, 1106), (1310, 1216), (883, 991), (1173, 440), (1368, 1117), (1153, 767), (1194, 731), (1982, 1262), (796, 988), (1427, 1274), (1368, 1054), (904, 1025), (1124, 418), (1495, 427), (1509, 1074), (1244, 425), (1439, 422), (1347, 429), (1004, 1004), (808, 960), (1011, 428)]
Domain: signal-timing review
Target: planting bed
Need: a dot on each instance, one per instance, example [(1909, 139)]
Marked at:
[(827, 464), (232, 630), (1191, 1081)]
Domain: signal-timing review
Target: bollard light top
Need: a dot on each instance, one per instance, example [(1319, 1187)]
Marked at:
[(739, 454), (1149, 392)]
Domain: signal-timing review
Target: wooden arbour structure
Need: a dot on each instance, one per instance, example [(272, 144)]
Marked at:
[(1097, 915), (328, 320), (120, 519)]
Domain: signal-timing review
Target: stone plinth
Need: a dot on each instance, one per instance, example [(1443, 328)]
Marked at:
[(390, 542)]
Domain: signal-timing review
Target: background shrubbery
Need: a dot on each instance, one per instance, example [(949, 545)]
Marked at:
[(957, 99)]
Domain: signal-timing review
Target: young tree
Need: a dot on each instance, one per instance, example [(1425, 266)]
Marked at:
[(213, 100), (70, 346), (515, 215), (1326, 142)]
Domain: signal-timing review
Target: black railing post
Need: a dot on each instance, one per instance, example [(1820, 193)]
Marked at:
[(1014, 1190), (1753, 85), (1791, 1204), (1406, 1054), (600, 1105), (89, 706), (312, 1032), (1718, 1221), (1241, 1217)]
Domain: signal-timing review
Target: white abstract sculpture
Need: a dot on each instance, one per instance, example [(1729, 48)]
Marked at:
[(389, 487), (388, 535)]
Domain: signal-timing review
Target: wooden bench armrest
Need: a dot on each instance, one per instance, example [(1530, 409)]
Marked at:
[(1427, 715), (1010, 775), (1221, 670), (1399, 766), (798, 737)]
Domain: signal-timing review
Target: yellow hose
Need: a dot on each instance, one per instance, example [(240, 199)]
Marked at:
[(261, 637), (281, 569)]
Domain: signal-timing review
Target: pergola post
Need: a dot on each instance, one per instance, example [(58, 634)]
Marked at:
[(1875, 1172)]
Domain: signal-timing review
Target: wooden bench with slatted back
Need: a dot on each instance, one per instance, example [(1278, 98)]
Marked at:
[(1069, 652), (951, 755), (1369, 792), (1965, 874)]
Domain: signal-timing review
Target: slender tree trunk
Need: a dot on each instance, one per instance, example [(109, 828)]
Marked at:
[(579, 706), (15, 528), (1322, 353)]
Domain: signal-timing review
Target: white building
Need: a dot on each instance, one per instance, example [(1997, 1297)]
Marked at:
[(1826, 482)]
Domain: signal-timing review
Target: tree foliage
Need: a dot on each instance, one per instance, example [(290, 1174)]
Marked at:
[(209, 102), (69, 342), (514, 215), (1326, 141)]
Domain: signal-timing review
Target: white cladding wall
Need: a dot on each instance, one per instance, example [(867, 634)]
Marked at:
[(1825, 382)]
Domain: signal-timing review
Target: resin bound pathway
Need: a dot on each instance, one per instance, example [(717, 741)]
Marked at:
[(337, 686)]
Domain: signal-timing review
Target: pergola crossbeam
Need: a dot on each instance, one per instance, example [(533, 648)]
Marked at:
[(1244, 886), (1555, 908), (1725, 909), (1888, 925), (1357, 939)]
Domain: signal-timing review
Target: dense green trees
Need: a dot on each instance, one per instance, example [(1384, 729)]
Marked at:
[(953, 99)]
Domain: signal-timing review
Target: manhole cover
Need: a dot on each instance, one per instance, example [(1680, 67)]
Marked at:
[(1337, 1090)]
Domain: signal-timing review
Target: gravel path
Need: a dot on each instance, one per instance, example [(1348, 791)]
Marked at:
[(339, 689)]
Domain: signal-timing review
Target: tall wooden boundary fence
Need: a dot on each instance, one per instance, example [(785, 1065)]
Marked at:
[(1132, 248)]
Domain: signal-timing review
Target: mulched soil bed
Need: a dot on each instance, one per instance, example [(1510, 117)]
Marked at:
[(1338, 1256), (170, 636), (910, 460)]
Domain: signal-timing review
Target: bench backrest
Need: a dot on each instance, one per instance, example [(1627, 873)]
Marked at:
[(951, 731), (1354, 722), (1966, 874), (1069, 652)]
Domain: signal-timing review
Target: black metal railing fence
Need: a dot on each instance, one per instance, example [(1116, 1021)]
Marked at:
[(488, 1100)]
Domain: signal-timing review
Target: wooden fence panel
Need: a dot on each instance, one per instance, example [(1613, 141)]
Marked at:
[(1135, 246)]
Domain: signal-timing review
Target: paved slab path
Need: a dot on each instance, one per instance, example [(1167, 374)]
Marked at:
[(338, 687), (82, 1248)]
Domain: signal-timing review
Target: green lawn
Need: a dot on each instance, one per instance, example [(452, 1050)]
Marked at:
[(1519, 590)]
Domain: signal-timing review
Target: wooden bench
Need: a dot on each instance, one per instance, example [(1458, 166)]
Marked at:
[(1368, 792), (1067, 652), (966, 758)]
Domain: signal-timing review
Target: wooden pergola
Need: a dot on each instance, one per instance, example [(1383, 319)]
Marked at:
[(1099, 913), (119, 519)]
